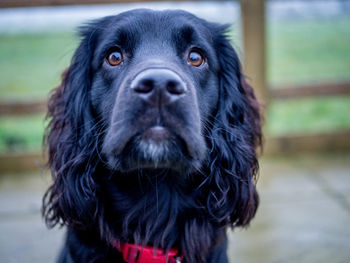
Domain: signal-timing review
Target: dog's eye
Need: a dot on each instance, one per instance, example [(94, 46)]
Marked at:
[(195, 58), (115, 58)]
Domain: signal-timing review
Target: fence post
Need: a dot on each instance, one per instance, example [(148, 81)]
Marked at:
[(253, 30)]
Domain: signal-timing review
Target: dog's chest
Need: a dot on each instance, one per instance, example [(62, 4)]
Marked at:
[(152, 215)]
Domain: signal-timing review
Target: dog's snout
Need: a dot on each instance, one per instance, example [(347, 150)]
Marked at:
[(158, 86)]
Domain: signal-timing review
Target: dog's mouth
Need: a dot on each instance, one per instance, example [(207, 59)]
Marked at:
[(157, 147)]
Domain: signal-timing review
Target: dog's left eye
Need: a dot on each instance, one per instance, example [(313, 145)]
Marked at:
[(114, 58), (195, 58)]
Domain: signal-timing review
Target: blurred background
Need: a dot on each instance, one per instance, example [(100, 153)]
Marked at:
[(297, 56)]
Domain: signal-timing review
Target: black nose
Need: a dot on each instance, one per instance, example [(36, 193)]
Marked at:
[(159, 86)]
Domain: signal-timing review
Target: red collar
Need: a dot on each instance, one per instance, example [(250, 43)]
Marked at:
[(145, 254)]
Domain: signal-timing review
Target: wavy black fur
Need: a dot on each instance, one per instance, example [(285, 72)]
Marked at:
[(188, 209)]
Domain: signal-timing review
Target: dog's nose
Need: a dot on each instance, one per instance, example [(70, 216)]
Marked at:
[(159, 86)]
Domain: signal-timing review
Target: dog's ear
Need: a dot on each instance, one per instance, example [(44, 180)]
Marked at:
[(71, 141), (235, 135)]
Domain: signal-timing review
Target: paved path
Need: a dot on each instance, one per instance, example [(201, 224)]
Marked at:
[(304, 215)]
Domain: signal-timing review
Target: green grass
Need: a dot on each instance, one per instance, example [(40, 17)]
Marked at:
[(30, 65), (23, 133), (304, 51), (300, 51), (308, 115)]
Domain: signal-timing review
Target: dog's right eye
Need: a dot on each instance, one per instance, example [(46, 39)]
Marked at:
[(114, 58)]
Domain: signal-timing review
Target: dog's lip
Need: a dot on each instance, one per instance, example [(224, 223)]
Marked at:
[(156, 133), (158, 129)]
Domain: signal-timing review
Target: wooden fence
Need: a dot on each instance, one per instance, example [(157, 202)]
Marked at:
[(253, 23)]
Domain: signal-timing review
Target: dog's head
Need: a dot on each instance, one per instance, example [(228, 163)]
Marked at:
[(154, 89), (155, 85)]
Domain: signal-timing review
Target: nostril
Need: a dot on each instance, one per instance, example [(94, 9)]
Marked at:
[(145, 86), (175, 88)]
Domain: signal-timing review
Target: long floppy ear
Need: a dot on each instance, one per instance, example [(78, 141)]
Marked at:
[(71, 140), (235, 135)]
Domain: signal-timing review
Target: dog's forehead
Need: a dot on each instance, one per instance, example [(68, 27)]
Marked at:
[(153, 25), (149, 19)]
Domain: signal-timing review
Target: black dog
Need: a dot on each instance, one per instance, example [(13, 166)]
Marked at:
[(152, 142)]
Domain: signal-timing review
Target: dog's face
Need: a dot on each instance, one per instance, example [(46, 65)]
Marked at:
[(155, 84), (147, 90)]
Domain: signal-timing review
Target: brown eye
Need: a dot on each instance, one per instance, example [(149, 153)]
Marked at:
[(115, 58), (195, 58)]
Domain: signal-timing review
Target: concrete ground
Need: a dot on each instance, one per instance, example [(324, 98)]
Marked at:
[(304, 215)]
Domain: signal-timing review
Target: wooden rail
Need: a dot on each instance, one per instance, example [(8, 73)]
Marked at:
[(307, 143), (34, 3), (302, 91), (12, 108), (21, 162)]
